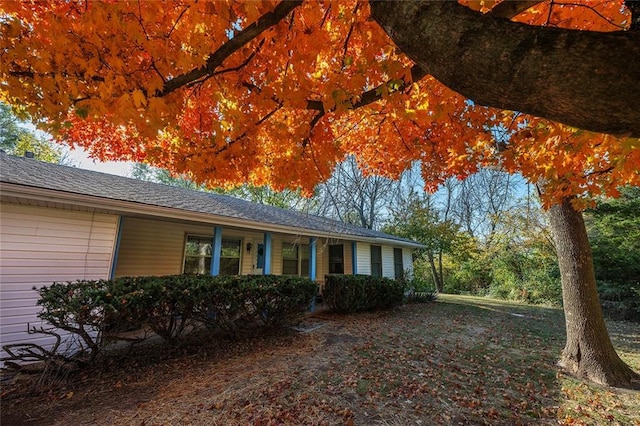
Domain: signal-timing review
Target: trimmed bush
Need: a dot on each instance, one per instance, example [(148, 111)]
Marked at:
[(169, 304), (354, 293)]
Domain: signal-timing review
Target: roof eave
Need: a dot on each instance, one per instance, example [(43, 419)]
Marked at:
[(131, 207)]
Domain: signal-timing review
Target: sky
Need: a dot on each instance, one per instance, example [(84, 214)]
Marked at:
[(80, 159)]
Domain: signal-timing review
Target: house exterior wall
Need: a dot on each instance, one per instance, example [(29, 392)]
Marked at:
[(407, 261), (363, 252), (155, 247), (388, 269), (40, 245)]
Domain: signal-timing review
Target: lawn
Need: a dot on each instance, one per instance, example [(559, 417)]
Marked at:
[(460, 360)]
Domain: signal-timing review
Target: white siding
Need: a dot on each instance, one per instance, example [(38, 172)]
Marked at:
[(387, 262), (363, 251), (40, 245), (407, 261)]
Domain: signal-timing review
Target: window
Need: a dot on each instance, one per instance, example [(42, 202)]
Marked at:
[(336, 259), (198, 254), (376, 261), (398, 267), (230, 257), (295, 259)]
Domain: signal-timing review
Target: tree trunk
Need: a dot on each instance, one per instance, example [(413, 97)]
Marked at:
[(434, 273), (585, 79), (589, 352), (440, 274)]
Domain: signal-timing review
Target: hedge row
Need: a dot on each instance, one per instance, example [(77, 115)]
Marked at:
[(354, 293), (169, 305)]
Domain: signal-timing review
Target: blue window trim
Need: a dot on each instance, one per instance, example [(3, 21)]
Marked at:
[(116, 250), (267, 254), (313, 242), (354, 261), (216, 250)]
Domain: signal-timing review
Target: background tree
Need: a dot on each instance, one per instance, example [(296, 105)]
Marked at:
[(265, 93), (15, 139), (614, 232), (417, 218), (353, 197)]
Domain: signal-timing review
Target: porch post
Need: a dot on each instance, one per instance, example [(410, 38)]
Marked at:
[(216, 250), (116, 249), (354, 257), (313, 242), (267, 254)]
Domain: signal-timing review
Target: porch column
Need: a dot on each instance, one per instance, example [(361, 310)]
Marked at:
[(354, 257), (216, 250), (116, 249), (267, 254), (313, 242)]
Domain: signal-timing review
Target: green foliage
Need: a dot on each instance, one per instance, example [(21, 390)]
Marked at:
[(355, 293), (614, 233), (17, 140), (620, 301), (78, 307), (169, 304), (421, 297)]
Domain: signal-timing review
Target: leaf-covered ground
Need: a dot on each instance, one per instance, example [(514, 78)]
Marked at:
[(459, 360)]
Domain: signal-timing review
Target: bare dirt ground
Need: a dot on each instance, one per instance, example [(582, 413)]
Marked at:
[(456, 361)]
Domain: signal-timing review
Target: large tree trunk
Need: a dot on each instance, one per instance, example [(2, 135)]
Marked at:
[(585, 79), (589, 352)]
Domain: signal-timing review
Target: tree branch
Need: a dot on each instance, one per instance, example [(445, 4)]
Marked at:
[(240, 39), (634, 8), (512, 9), (584, 79), (509, 9)]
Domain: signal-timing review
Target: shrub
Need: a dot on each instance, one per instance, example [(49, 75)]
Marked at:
[(78, 307), (169, 304), (421, 297), (620, 301), (354, 293)]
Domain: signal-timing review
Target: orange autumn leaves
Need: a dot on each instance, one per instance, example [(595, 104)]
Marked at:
[(284, 108)]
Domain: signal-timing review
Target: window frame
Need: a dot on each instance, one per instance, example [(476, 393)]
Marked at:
[(300, 259), (398, 273), (209, 241), (332, 263), (377, 272)]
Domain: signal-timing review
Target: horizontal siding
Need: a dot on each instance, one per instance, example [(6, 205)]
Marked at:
[(322, 268), (276, 255), (348, 257), (40, 245), (387, 262), (363, 251), (152, 247), (407, 261)]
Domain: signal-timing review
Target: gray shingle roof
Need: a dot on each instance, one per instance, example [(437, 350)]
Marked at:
[(37, 174)]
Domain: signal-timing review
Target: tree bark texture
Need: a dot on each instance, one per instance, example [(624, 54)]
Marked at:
[(585, 79), (589, 352)]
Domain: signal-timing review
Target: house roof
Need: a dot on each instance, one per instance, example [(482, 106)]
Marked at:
[(31, 173)]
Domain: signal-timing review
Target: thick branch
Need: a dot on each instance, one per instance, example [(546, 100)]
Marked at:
[(373, 95), (240, 39), (581, 78), (509, 9)]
